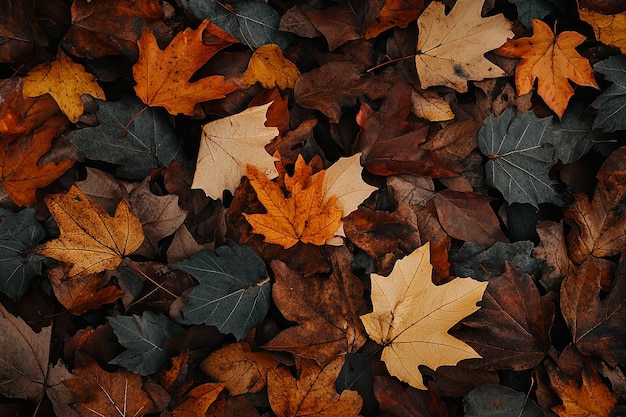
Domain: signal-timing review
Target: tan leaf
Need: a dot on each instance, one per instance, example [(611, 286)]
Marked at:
[(428, 105), (412, 316), (227, 145), (270, 68), (451, 48), (65, 80)]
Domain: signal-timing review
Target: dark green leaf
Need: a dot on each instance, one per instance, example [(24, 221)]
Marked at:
[(536, 9), (357, 375), (234, 290), (149, 143), (572, 135), (143, 336), (19, 232), (520, 157), (611, 103), (499, 401)]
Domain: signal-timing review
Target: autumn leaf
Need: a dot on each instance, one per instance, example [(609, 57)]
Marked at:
[(162, 76), (427, 104), (395, 13), (551, 61), (412, 316), (451, 48), (313, 393), (609, 28), (198, 400), (227, 145), (270, 68), (90, 240), (302, 216), (65, 80)]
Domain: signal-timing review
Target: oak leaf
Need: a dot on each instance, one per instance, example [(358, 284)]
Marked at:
[(162, 76), (90, 240), (65, 80), (227, 145), (270, 68), (302, 216), (552, 61), (313, 393), (412, 316), (451, 48)]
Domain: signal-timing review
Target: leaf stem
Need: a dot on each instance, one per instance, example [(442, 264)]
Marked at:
[(132, 266), (391, 61)]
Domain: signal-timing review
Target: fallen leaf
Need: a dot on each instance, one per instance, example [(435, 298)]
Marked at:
[(451, 48), (529, 10), (198, 400), (304, 216), (339, 23), (25, 370), (65, 80), (551, 61), (398, 401), (412, 316), (20, 31), (607, 27), (108, 393), (228, 145), (241, 370), (553, 249), (326, 310), (429, 105), (497, 400), (269, 67), (591, 398), (162, 76), (313, 393), (395, 13), (455, 141), (90, 240), (611, 103)]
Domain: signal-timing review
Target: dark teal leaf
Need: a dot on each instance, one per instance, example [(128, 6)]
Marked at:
[(149, 143), (537, 9), (19, 233), (520, 157), (143, 336), (234, 290), (571, 136), (356, 375), (499, 401), (611, 103)]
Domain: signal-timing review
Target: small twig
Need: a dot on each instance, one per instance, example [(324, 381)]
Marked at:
[(123, 135), (12, 76), (143, 274), (391, 61)]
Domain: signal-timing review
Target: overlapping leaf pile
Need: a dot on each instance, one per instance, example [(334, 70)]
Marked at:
[(249, 208)]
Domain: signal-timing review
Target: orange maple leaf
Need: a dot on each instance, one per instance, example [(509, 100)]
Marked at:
[(305, 215), (552, 61), (162, 76)]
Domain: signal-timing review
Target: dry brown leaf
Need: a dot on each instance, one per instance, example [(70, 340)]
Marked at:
[(270, 68), (65, 80), (90, 240), (395, 13), (451, 48), (412, 316), (313, 393), (240, 369), (198, 400)]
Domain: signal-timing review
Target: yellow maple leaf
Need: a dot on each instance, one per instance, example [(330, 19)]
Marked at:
[(412, 316), (90, 240), (551, 61), (304, 215), (451, 48), (270, 68), (65, 80)]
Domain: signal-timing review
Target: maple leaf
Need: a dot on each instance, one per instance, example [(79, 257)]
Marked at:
[(450, 49), (302, 216), (269, 67), (313, 393), (412, 316), (162, 76), (551, 61), (611, 103), (65, 80), (227, 145), (90, 240)]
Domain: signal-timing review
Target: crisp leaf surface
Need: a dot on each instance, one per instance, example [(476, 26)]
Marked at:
[(412, 316), (519, 159), (234, 290), (451, 48)]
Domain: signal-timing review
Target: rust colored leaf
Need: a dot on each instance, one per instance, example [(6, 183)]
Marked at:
[(326, 309), (552, 61), (313, 393), (270, 68), (302, 216), (590, 399), (395, 13), (240, 369), (65, 80), (19, 30), (162, 76), (90, 240), (198, 400)]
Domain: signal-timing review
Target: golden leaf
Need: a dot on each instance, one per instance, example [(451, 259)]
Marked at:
[(269, 67)]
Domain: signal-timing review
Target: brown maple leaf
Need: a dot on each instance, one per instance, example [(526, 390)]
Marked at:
[(395, 13), (162, 76), (302, 216), (551, 61)]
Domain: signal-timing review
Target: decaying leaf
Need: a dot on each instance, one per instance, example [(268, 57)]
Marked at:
[(65, 80), (551, 61), (90, 240), (451, 48), (162, 76), (229, 144), (412, 316)]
